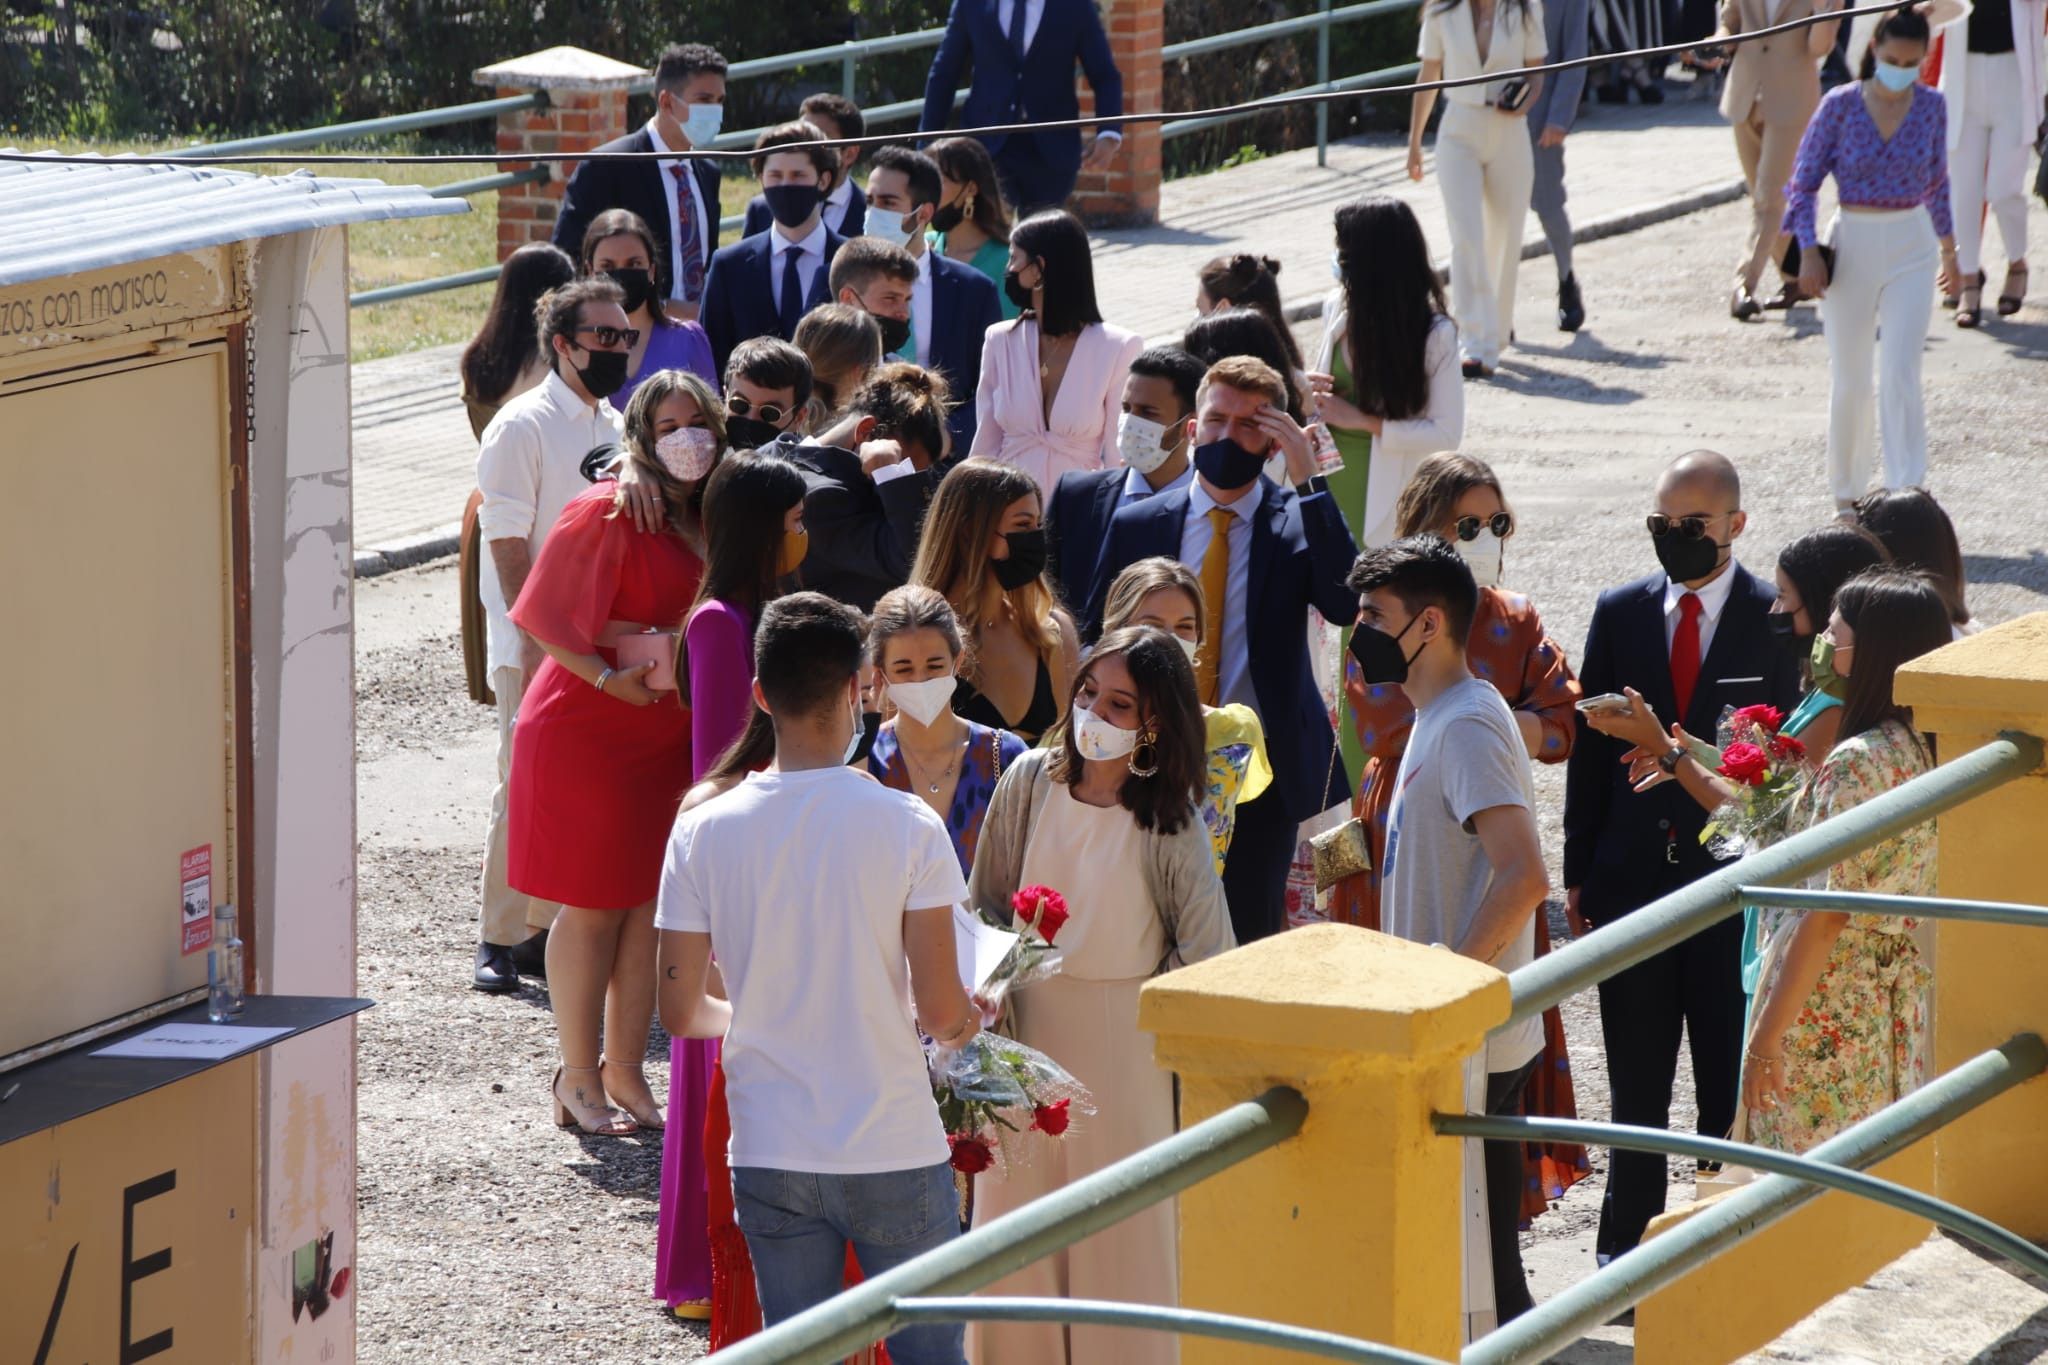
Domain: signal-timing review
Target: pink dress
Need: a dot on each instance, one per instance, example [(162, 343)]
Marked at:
[(1009, 407)]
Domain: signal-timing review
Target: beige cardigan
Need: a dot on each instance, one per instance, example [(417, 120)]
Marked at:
[(1180, 869)]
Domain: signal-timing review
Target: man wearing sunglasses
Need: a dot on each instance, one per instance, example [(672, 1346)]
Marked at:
[(529, 467), (1690, 641)]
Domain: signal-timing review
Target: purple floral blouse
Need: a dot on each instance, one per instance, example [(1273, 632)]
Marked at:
[(1870, 172)]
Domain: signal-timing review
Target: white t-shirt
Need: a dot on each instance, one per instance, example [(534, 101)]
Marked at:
[(802, 880), (1464, 756)]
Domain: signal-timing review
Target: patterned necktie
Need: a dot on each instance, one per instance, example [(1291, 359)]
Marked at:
[(1685, 652), (1215, 586), (689, 246), (792, 309)]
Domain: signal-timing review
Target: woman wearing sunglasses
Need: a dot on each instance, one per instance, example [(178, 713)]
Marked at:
[(1459, 498)]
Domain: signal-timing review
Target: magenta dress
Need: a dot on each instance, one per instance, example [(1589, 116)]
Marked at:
[(718, 640)]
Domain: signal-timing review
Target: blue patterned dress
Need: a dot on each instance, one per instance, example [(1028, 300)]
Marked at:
[(989, 754)]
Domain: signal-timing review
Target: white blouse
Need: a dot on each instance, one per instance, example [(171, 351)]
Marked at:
[(1448, 36)]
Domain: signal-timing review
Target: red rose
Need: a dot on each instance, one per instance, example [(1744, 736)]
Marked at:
[(1785, 746), (1745, 763), (1766, 718), (1051, 1119), (970, 1154), (1042, 908)]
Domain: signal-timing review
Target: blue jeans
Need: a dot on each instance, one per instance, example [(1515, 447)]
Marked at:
[(798, 1225)]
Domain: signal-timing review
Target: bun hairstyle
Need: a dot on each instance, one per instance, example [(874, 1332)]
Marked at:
[(909, 403), (1250, 281), (912, 607), (1905, 23)]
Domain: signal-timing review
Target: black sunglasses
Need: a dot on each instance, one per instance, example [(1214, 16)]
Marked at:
[(767, 412), (608, 337), (1691, 528), (1500, 523)]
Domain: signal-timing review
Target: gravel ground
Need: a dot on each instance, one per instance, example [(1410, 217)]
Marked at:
[(488, 1235)]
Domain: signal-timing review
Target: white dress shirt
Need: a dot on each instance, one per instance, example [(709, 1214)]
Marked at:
[(669, 181), (813, 248), (833, 215), (1137, 488), (529, 469), (1713, 601), (921, 310), (1233, 667)]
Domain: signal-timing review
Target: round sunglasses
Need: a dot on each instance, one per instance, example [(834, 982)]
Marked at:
[(1500, 523), (767, 412)]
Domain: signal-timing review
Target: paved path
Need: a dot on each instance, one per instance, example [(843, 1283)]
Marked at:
[(414, 455)]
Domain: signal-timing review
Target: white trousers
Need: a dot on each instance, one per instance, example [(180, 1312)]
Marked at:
[(1989, 164), (1484, 165), (1881, 299)]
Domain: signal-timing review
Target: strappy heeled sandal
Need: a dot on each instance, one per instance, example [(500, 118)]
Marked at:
[(2013, 292), (652, 1120), (1970, 311), (596, 1120)]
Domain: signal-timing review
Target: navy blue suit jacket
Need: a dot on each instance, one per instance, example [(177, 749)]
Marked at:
[(739, 299), (1040, 86), (1301, 552), (1077, 528), (759, 219), (641, 186), (1624, 849), (964, 307)]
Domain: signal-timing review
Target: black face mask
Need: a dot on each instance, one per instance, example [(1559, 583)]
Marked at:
[(1014, 290), (1026, 561), (895, 332), (1687, 560), (947, 217), (1786, 632), (1226, 464), (636, 285), (750, 433), (791, 205), (1381, 660), (605, 375), (870, 726)]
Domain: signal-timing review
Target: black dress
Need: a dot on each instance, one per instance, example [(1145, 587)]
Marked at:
[(969, 704)]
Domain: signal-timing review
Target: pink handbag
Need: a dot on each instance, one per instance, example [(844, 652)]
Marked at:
[(657, 647)]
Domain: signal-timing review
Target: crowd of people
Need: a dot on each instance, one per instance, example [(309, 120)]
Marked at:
[(862, 569)]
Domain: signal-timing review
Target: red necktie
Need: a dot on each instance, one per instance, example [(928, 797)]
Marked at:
[(1685, 652)]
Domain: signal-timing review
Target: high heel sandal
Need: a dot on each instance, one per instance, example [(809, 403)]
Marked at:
[(2013, 292), (598, 1122), (1970, 309), (653, 1120)]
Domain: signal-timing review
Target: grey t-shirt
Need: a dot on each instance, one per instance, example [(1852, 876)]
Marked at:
[(1464, 756)]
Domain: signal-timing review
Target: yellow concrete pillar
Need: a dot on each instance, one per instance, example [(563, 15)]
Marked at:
[(1353, 1225), (1988, 978)]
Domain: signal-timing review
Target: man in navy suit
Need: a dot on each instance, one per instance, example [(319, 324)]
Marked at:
[(678, 200), (1023, 54), (1690, 641), (952, 305), (846, 208), (1265, 555), (1159, 398), (764, 284)]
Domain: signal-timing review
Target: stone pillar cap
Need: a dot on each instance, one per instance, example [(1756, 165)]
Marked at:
[(561, 68), (1995, 680), (1334, 988)]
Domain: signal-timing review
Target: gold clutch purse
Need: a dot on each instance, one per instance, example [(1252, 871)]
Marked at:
[(1339, 853)]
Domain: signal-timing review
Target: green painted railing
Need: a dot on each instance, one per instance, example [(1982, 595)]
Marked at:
[(375, 127)]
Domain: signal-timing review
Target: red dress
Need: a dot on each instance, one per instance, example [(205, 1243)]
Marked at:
[(596, 781)]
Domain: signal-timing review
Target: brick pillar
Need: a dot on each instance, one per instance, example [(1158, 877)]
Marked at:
[(1127, 194), (586, 106)]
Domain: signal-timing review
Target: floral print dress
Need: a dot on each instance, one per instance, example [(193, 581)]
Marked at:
[(1861, 1040)]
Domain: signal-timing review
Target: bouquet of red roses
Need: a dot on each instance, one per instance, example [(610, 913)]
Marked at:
[(994, 1093), (1767, 768), (1037, 913)]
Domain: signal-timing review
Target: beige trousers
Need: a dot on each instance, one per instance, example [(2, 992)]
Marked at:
[(1767, 151), (509, 916)]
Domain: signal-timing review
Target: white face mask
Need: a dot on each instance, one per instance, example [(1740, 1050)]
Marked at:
[(687, 452), (701, 122), (853, 740), (1187, 647), (888, 227), (924, 702), (1142, 442), (1096, 738), (1485, 556)]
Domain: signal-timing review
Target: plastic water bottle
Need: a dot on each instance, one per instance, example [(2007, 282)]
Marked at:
[(224, 968)]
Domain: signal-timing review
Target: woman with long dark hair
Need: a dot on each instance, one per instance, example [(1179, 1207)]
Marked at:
[(1052, 382), (1484, 162), (1247, 281), (753, 519), (1106, 816), (1386, 379), (1917, 532), (505, 358), (1884, 139), (619, 246), (1247, 331), (972, 223)]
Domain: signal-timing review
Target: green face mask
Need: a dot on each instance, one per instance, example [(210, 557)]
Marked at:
[(1825, 679)]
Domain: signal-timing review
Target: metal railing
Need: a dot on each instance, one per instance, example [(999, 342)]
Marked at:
[(929, 1288)]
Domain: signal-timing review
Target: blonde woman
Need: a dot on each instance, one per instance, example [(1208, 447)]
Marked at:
[(1165, 594), (844, 345), (984, 550)]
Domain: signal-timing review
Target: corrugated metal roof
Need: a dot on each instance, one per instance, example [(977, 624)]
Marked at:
[(61, 218)]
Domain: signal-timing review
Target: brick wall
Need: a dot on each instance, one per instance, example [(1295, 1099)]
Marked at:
[(574, 121)]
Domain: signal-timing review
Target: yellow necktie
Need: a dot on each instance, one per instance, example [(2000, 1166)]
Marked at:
[(1215, 584)]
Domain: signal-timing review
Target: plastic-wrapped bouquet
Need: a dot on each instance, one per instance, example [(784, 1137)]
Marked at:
[(994, 1093), (1767, 768)]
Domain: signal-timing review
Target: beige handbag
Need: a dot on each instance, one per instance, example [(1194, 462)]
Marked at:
[(1341, 852)]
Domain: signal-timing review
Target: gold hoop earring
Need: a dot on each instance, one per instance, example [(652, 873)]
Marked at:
[(1146, 741)]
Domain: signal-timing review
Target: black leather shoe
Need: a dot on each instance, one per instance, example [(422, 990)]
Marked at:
[(495, 971), (1742, 305), (1472, 369), (531, 957), (1571, 307), (1787, 296)]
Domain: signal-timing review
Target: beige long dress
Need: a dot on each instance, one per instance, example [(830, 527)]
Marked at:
[(1086, 1019)]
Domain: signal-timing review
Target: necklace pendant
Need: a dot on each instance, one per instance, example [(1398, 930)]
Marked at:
[(933, 789)]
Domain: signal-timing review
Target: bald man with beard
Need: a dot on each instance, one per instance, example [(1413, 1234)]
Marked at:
[(1692, 640)]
